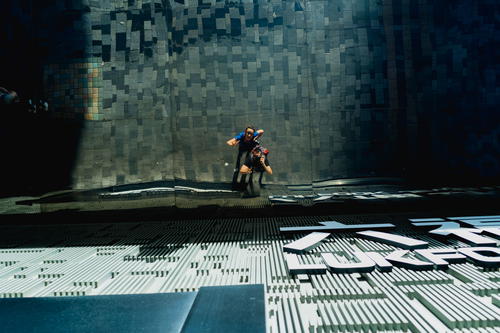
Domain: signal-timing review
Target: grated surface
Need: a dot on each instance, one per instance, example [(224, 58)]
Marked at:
[(180, 256)]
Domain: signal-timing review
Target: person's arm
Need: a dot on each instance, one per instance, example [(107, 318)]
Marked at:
[(247, 166), (232, 142), (245, 170), (259, 134), (266, 166)]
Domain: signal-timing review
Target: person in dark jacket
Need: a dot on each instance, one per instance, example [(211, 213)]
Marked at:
[(257, 162)]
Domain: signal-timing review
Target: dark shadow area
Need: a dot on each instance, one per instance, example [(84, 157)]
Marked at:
[(285, 202), (39, 152), (162, 232), (39, 148), (204, 192)]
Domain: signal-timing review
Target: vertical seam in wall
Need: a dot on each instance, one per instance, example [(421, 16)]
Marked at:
[(171, 102), (392, 86), (410, 91), (309, 75)]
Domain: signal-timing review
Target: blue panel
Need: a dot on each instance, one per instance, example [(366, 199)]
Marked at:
[(110, 313), (228, 309)]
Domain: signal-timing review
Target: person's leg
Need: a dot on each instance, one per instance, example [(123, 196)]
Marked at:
[(257, 184), (252, 189), (248, 186), (249, 191), (243, 179), (236, 172)]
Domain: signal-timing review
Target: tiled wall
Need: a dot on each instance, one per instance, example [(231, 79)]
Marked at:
[(342, 88), (132, 139), (75, 88)]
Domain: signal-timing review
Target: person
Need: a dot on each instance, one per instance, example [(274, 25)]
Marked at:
[(256, 162), (246, 141), (40, 107)]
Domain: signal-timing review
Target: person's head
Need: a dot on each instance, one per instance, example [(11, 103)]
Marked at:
[(257, 151), (249, 132)]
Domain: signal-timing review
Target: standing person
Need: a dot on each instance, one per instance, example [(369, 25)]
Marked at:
[(256, 162), (246, 141)]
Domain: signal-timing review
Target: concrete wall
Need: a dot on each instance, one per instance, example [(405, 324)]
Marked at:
[(342, 88)]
